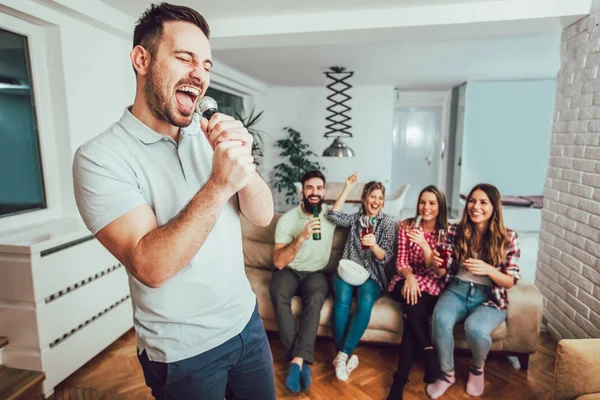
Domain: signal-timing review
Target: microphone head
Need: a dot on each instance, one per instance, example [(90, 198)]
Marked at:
[(207, 107)]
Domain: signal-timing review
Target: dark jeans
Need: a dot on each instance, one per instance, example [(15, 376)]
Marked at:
[(242, 366), (347, 332), (313, 288), (416, 334)]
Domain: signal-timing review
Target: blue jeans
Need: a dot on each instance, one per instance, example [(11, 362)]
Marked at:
[(242, 367), (346, 336), (463, 300)]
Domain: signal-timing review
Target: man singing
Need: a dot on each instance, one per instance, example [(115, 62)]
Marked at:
[(163, 192)]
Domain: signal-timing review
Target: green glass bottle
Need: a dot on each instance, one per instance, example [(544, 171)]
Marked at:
[(316, 235)]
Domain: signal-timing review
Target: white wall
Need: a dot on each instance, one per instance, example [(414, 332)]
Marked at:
[(507, 135), (304, 109)]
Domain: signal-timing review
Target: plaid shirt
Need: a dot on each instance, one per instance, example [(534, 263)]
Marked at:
[(510, 267), (412, 258), (385, 235)]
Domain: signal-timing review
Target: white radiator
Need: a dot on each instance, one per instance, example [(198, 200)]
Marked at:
[(63, 299)]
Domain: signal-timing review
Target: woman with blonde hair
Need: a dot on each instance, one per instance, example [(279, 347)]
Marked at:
[(482, 266), (372, 249)]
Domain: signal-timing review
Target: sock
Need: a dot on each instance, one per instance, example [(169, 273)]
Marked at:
[(432, 366), (476, 383), (435, 390), (339, 362), (396, 392), (305, 379), (292, 380), (352, 364)]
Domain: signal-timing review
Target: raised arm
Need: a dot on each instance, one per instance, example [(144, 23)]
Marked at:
[(256, 201), (348, 186), (255, 198)]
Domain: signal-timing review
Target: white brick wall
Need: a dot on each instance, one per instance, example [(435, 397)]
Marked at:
[(568, 273)]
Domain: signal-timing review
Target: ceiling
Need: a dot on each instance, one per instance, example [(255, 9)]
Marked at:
[(408, 44), (414, 65), (218, 9)]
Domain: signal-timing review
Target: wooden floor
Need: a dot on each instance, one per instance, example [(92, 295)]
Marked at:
[(116, 374)]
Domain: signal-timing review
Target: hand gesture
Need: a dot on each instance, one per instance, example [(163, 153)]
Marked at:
[(233, 164), (416, 236), (352, 180), (312, 226), (478, 267), (411, 290), (368, 240), (222, 128)]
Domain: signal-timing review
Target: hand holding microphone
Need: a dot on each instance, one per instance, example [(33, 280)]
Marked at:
[(233, 164), (220, 128)]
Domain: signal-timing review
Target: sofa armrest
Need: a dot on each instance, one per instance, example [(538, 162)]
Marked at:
[(576, 369), (523, 318)]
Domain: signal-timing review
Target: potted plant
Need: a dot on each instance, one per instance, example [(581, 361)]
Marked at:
[(298, 163)]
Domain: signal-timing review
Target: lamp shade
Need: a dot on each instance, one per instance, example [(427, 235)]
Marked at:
[(338, 149)]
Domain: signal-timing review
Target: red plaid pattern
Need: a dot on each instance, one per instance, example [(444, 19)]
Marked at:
[(412, 258), (510, 267)]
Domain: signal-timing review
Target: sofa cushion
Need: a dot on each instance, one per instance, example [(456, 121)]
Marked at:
[(386, 313), (257, 243)]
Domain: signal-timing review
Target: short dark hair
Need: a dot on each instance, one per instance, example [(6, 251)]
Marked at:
[(149, 27), (312, 174)]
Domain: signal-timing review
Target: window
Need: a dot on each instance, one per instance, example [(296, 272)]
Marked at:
[(21, 176), (229, 104)]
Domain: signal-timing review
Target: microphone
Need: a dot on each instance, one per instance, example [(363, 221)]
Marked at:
[(416, 225), (207, 107)]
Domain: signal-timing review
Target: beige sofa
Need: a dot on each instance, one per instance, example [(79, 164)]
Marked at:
[(577, 370), (517, 336)]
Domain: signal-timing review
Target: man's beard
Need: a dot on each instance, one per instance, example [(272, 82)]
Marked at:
[(310, 207), (158, 103)]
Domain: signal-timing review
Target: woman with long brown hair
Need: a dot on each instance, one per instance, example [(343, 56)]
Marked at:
[(417, 284), (482, 266)]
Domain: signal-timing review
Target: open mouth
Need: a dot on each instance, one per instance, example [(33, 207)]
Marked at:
[(186, 98), (314, 199)]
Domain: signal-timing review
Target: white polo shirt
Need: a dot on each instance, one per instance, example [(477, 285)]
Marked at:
[(208, 301)]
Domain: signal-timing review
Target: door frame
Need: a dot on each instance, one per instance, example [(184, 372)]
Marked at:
[(434, 98)]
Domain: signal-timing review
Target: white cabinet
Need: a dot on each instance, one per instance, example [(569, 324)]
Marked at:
[(63, 298)]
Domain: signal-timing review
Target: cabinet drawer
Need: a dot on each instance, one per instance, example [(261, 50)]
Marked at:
[(67, 357), (73, 309), (57, 271)]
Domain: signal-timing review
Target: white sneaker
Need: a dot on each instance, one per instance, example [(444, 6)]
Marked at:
[(339, 362), (352, 364)]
